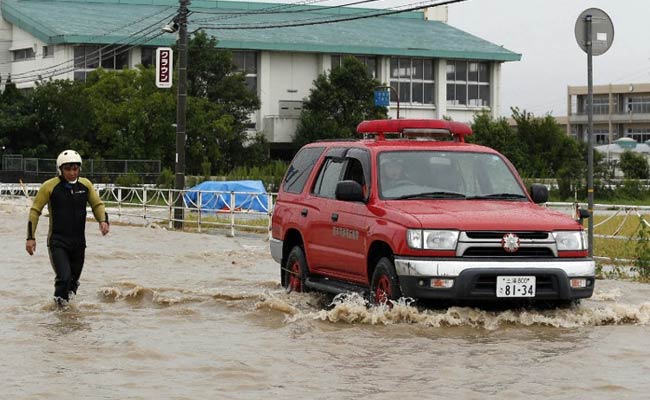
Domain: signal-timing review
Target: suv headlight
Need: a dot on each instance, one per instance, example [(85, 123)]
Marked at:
[(570, 240), (432, 240)]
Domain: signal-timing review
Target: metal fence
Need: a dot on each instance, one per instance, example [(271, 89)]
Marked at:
[(150, 205), (147, 205), (16, 162), (153, 204)]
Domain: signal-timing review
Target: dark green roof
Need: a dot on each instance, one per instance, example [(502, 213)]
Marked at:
[(138, 22)]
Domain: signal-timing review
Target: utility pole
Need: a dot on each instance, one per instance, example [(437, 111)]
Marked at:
[(180, 113)]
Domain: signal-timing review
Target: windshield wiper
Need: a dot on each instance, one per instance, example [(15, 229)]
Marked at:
[(499, 196), (433, 195)]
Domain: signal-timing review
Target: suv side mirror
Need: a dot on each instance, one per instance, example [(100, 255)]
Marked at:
[(539, 193), (349, 191)]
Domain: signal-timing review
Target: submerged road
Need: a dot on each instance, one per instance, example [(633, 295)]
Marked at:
[(163, 314)]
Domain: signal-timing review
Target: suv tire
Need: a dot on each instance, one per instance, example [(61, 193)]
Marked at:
[(384, 285), (295, 271)]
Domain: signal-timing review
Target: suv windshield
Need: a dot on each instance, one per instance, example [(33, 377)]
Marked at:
[(446, 175)]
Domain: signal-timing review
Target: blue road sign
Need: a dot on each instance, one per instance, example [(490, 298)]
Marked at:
[(382, 98)]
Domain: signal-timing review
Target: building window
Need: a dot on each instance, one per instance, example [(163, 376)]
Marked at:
[(88, 58), (639, 134), (23, 54), (638, 104), (412, 78), (468, 83), (148, 56), (48, 52), (246, 62), (601, 104), (369, 61), (601, 135)]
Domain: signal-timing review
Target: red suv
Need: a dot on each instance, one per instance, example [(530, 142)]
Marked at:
[(411, 210)]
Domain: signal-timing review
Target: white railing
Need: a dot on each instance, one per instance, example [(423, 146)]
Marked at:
[(609, 211), (246, 211), (243, 211)]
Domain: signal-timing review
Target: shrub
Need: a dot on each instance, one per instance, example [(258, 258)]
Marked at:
[(129, 180), (166, 179)]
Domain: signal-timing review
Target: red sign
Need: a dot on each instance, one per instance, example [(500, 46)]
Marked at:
[(164, 67)]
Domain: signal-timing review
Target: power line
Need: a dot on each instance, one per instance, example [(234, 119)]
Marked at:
[(118, 28), (64, 70), (320, 21), (52, 70), (276, 10)]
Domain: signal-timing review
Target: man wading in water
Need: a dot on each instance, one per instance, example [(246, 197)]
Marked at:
[(66, 196)]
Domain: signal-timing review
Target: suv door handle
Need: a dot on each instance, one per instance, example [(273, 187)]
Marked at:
[(303, 212), (335, 217)]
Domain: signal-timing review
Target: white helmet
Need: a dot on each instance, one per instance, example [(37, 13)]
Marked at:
[(67, 157)]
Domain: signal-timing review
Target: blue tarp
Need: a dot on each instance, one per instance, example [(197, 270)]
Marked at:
[(215, 196)]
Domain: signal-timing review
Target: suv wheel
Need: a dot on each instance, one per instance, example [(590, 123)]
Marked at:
[(384, 284), (295, 271)]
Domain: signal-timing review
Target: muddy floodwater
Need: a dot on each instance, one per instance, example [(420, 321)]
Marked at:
[(172, 315)]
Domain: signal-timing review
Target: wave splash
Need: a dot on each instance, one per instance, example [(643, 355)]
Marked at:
[(354, 309), (136, 294)]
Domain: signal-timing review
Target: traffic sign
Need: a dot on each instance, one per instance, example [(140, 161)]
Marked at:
[(602, 31), (382, 98)]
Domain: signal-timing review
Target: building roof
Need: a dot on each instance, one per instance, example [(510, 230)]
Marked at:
[(138, 22)]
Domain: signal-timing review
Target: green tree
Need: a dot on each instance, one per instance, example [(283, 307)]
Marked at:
[(537, 147), (133, 117), (61, 118), (634, 165), (497, 134), (338, 102), (15, 115), (219, 108)]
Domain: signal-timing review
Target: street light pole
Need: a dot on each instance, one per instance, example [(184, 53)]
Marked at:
[(180, 113)]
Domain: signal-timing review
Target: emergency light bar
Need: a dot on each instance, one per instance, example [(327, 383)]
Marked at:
[(415, 127)]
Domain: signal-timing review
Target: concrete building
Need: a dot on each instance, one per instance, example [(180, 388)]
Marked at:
[(619, 111), (438, 70)]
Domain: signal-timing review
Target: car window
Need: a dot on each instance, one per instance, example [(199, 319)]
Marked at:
[(436, 173), (301, 166), (354, 172), (328, 177)]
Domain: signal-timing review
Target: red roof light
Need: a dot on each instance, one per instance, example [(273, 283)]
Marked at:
[(381, 127)]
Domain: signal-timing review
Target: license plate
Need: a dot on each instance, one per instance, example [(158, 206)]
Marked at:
[(515, 286)]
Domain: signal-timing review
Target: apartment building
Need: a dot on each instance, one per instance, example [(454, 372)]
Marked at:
[(619, 111)]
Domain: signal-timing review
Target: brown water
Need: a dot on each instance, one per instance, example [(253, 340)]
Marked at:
[(172, 315)]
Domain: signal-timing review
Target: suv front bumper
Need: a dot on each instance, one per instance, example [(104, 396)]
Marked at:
[(476, 279)]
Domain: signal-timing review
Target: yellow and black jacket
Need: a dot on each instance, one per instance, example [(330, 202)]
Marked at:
[(67, 205)]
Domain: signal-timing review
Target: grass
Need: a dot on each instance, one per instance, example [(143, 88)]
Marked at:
[(622, 254), (621, 226)]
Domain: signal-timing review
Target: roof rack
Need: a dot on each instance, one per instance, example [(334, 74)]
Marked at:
[(415, 128)]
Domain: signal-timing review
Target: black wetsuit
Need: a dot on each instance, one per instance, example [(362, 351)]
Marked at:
[(66, 239)]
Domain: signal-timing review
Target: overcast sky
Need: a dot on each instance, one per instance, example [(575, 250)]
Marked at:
[(542, 31)]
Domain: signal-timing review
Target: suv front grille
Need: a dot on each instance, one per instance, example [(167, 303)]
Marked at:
[(489, 244), (499, 235), (500, 252)]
